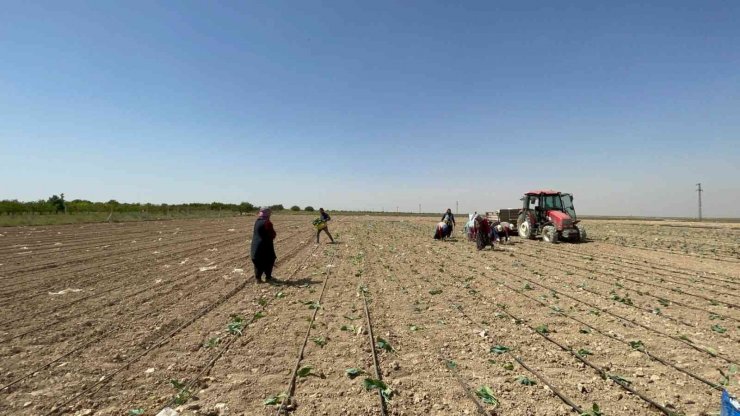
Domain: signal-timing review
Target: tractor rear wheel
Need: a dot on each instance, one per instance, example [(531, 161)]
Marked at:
[(525, 228), (581, 233), (549, 234)]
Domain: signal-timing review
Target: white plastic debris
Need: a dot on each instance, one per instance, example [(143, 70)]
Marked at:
[(209, 268), (238, 271), (231, 230), (65, 291), (168, 412), (149, 370)]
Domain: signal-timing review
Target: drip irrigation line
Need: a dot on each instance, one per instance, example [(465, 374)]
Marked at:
[(614, 337), (111, 331), (599, 370), (103, 380), (539, 376), (283, 408), (95, 295), (225, 348), (728, 260), (726, 304), (376, 365), (634, 322), (478, 405), (552, 388)]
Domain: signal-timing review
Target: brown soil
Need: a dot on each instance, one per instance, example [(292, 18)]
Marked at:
[(99, 319)]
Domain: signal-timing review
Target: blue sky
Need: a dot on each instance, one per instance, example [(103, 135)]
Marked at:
[(374, 105)]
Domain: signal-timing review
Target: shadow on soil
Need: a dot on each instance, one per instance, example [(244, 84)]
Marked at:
[(307, 281)]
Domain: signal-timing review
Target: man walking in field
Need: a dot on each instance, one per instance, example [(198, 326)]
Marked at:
[(263, 249), (325, 218)]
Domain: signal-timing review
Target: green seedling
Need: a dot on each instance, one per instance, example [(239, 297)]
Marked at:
[(528, 287), (236, 325), (663, 302), (584, 352), (525, 381), (258, 315), (351, 318), (280, 295), (637, 345), (384, 345), (595, 411), (435, 291), (183, 394), (415, 328), (508, 366), (595, 312), (714, 316), (373, 384), (657, 311), (212, 342), (451, 364), (312, 304), (275, 399), (542, 329), (136, 412), (499, 349), (732, 371), (585, 330), (685, 338), (262, 302), (486, 395), (353, 373), (719, 329), (320, 341), (307, 371)]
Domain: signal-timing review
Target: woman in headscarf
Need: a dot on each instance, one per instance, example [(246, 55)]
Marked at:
[(263, 250)]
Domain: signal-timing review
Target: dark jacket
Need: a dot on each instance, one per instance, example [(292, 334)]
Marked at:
[(325, 216), (263, 249)]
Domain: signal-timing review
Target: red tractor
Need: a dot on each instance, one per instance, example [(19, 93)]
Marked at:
[(550, 214)]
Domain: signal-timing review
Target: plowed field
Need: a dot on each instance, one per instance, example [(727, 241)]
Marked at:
[(117, 319)]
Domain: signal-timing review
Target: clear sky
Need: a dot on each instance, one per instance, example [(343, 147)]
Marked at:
[(374, 104)]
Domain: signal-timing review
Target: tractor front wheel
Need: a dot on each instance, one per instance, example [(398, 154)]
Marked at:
[(525, 228), (549, 234), (581, 233)]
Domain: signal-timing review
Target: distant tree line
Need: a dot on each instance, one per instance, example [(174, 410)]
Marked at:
[(56, 204)]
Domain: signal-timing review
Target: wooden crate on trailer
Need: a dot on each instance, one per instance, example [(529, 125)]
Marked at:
[(509, 215)]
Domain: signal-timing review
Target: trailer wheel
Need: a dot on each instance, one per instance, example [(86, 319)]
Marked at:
[(525, 228), (549, 234), (581, 233)]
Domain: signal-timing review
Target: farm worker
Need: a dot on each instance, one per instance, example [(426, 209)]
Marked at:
[(442, 230), (263, 249), (326, 218), (449, 218), (505, 228)]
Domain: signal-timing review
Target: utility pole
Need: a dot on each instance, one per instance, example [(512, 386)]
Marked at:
[(699, 191)]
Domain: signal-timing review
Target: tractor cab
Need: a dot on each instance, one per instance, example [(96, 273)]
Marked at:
[(550, 214)]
